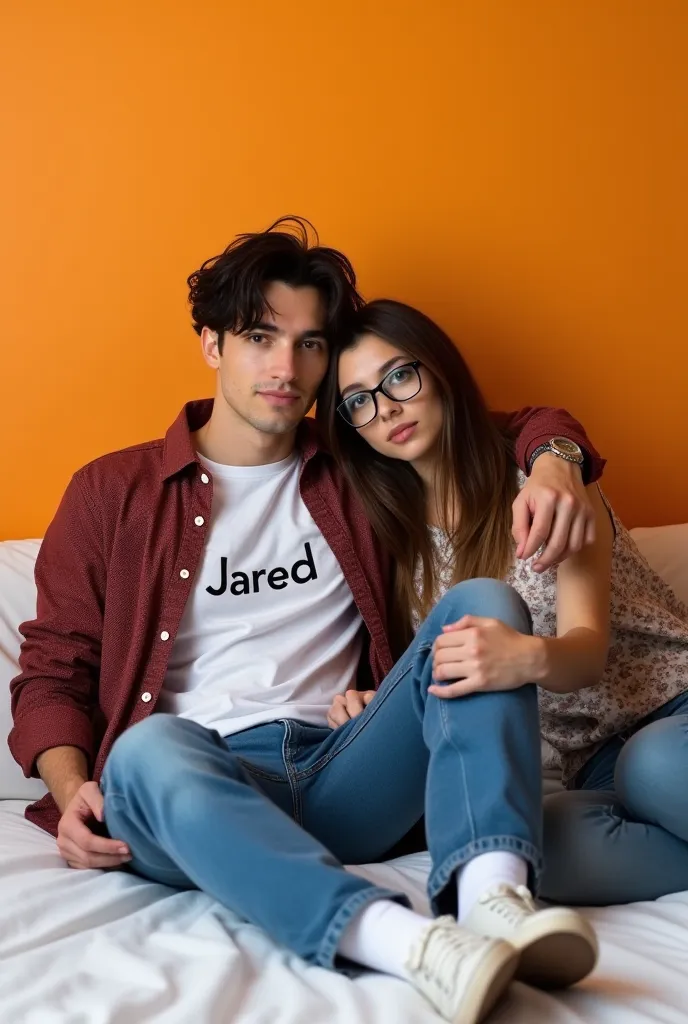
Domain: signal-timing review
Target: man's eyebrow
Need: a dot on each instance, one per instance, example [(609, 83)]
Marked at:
[(261, 326), (382, 370), (268, 328)]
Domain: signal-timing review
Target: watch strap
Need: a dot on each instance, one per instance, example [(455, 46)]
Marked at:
[(542, 448)]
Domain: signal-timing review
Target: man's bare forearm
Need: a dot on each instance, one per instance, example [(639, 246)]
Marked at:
[(64, 770)]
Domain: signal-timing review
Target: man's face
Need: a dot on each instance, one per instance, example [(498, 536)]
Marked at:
[(269, 376)]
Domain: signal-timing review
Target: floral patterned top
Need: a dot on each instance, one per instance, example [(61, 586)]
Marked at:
[(647, 664)]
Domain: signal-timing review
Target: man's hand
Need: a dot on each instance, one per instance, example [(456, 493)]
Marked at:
[(75, 840), (480, 655), (346, 706), (552, 507)]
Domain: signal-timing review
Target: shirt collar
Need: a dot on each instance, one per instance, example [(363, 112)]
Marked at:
[(179, 452)]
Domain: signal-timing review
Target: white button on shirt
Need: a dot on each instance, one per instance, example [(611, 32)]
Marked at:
[(145, 697), (164, 635), (184, 573), (199, 520), (205, 479)]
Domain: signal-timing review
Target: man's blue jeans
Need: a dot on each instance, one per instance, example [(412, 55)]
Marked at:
[(622, 834), (264, 819)]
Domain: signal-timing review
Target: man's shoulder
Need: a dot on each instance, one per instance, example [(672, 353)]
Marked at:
[(124, 468)]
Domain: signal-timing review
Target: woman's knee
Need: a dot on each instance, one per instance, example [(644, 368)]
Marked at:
[(652, 769), (487, 598)]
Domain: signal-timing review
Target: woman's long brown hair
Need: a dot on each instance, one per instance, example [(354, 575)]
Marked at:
[(476, 478)]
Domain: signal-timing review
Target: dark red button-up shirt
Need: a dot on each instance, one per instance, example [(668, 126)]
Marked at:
[(117, 565)]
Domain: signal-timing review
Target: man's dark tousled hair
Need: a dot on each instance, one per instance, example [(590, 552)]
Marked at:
[(227, 293)]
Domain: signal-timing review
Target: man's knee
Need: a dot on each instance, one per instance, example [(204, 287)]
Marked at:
[(487, 598), (151, 749)]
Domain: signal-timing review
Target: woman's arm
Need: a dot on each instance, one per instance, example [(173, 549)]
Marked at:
[(576, 657), (477, 654)]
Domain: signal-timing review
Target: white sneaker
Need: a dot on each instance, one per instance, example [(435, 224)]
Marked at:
[(461, 974), (558, 947)]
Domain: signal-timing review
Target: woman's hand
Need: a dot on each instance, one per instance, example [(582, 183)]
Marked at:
[(346, 706), (476, 655)]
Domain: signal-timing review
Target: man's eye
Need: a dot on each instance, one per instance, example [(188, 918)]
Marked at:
[(256, 337), (312, 344)]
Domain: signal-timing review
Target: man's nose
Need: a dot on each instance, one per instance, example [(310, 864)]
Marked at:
[(284, 364)]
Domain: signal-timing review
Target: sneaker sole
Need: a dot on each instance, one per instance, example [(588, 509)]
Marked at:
[(490, 981), (562, 954)]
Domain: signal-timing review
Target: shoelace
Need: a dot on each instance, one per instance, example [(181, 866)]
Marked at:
[(511, 903), (455, 945)]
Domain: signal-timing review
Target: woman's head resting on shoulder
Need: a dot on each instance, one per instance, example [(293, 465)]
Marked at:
[(389, 390), (403, 415)]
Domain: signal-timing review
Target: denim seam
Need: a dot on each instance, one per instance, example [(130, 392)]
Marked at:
[(367, 716), (464, 781), (297, 809), (327, 949), (440, 876), (258, 772)]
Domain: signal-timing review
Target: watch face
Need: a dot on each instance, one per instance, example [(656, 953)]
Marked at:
[(562, 444)]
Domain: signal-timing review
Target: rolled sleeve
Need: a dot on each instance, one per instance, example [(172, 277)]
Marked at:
[(55, 694)]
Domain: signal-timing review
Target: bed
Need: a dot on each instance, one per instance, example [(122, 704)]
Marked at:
[(108, 948)]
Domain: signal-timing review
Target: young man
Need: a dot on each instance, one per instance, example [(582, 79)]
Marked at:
[(225, 577)]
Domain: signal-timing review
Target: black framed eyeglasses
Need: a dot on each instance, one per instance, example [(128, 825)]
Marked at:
[(400, 384)]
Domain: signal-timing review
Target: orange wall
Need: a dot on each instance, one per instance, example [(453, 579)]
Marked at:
[(519, 169)]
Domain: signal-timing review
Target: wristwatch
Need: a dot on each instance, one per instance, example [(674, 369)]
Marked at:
[(562, 448)]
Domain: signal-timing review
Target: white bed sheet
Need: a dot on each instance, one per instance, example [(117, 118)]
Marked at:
[(97, 948)]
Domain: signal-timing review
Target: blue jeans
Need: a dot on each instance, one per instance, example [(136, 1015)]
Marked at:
[(264, 819), (622, 834)]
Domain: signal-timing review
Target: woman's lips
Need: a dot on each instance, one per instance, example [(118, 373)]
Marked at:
[(402, 434)]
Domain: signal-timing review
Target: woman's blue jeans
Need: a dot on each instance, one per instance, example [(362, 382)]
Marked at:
[(622, 834), (264, 819)]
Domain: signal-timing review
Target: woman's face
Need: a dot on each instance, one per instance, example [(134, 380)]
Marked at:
[(407, 430)]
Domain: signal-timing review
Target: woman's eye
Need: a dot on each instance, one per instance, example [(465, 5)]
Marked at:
[(357, 401), (399, 376)]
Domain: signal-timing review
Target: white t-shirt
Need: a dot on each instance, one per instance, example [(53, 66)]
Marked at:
[(270, 629)]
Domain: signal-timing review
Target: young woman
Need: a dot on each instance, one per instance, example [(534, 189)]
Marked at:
[(609, 651)]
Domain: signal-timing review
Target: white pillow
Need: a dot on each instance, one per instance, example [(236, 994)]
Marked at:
[(666, 549), (17, 604)]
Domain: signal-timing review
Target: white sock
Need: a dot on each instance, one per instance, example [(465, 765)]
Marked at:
[(485, 872), (381, 937)]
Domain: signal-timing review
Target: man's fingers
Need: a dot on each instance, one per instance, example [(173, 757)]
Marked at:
[(91, 795), (541, 526), (590, 532), (97, 861), (521, 523), (577, 534), (77, 858), (337, 716), (354, 703), (82, 837), (368, 696), (556, 548)]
